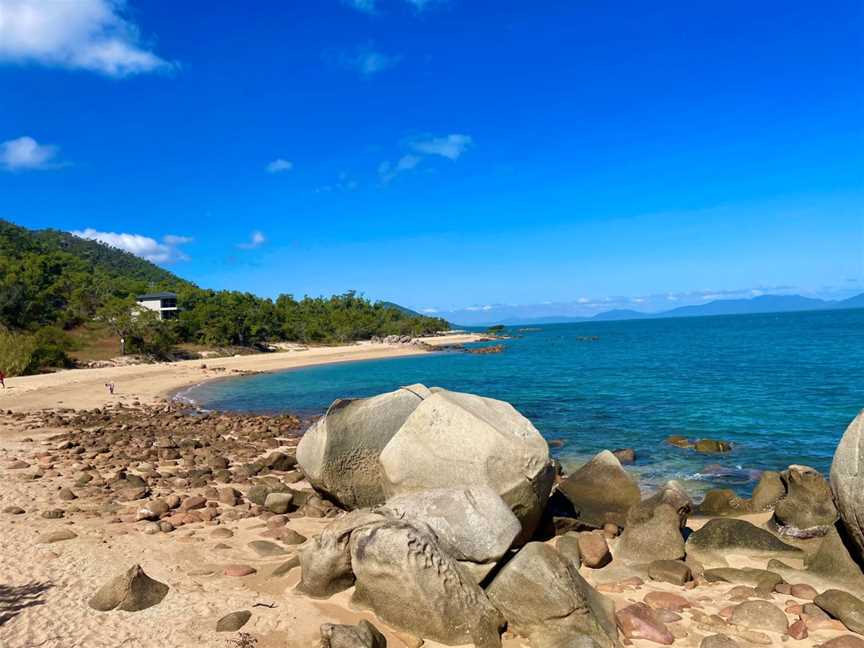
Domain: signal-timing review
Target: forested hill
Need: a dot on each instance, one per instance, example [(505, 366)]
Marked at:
[(52, 281), (54, 277)]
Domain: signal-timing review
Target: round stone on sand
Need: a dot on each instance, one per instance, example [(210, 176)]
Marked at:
[(239, 570)]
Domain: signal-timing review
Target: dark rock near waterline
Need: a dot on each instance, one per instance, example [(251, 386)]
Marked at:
[(768, 492), (719, 502), (712, 446), (602, 491)]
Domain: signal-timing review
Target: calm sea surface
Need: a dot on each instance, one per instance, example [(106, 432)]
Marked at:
[(781, 387)]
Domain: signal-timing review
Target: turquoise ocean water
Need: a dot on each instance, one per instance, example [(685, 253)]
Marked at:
[(780, 387)]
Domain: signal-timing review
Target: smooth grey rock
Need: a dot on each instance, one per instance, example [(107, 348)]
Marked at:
[(847, 482), (461, 440), (833, 561), (669, 571), (543, 598), (472, 524), (278, 503), (326, 559), (411, 583), (601, 491), (340, 453), (362, 635), (719, 641), (131, 591)]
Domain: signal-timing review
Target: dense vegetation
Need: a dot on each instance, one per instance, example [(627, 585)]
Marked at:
[(52, 282)]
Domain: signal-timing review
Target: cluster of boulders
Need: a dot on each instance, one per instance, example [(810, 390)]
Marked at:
[(392, 339), (453, 500)]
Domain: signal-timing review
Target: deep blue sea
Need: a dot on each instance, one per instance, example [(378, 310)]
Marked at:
[(781, 387)]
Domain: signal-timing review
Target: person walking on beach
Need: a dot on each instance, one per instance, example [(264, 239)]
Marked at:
[(110, 387), (2, 379)]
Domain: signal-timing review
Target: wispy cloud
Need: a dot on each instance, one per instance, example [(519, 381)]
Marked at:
[(388, 170), (367, 61), (25, 153), (451, 147), (279, 165), (166, 251), (90, 35), (256, 239), (344, 183)]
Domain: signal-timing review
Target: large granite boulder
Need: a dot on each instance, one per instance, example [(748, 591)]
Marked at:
[(339, 454), (472, 524), (721, 537), (672, 494), (326, 559), (722, 501), (842, 605), (461, 440), (833, 561), (406, 578), (601, 491), (847, 481), (807, 510), (543, 598)]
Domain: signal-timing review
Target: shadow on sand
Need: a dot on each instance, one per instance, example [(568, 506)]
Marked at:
[(14, 598)]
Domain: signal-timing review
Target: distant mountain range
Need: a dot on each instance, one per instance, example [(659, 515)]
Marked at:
[(761, 304)]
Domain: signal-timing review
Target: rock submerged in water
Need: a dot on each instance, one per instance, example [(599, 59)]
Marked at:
[(601, 491), (132, 591), (847, 481)]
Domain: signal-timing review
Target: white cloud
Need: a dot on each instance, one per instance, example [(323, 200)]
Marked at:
[(450, 146), (256, 239), (387, 170), (26, 153), (143, 246), (429, 310), (279, 165), (367, 61), (80, 34), (420, 5)]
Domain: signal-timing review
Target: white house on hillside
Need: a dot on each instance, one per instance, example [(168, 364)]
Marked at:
[(164, 303)]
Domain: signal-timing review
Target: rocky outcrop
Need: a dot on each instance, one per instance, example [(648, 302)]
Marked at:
[(406, 578), (651, 533), (768, 492), (722, 502), (601, 491), (543, 598), (834, 562), (131, 591), (807, 510), (722, 536), (339, 454), (461, 440), (847, 481), (362, 635), (472, 524), (326, 559)]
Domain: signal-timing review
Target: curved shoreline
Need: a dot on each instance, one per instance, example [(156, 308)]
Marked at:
[(85, 388)]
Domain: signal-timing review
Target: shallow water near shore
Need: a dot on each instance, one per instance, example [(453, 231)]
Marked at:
[(781, 387)]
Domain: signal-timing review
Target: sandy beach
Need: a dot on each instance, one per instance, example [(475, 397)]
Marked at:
[(77, 489), (85, 388)]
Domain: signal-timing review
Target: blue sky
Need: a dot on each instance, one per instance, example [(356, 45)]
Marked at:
[(447, 154)]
